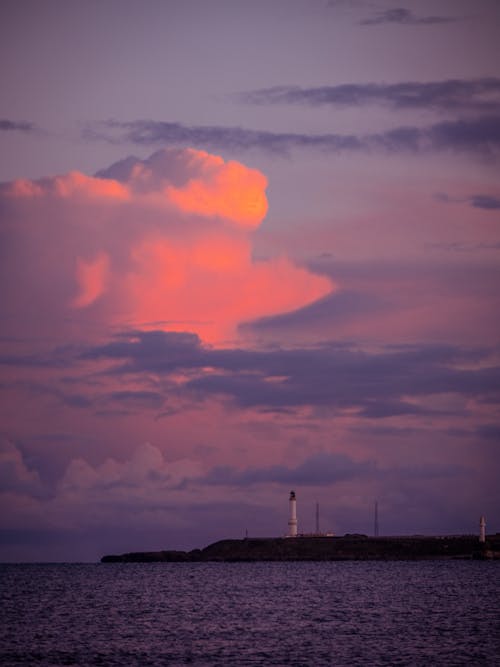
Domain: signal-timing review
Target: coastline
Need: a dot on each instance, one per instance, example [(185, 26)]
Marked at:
[(325, 548)]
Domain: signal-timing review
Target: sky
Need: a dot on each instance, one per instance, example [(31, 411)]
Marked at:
[(247, 247)]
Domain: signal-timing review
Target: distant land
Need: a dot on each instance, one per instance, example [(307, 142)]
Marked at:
[(325, 548)]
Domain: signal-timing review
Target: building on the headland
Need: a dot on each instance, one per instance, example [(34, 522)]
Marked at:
[(293, 523), (482, 529)]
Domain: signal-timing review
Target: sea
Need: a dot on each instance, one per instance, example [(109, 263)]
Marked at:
[(282, 613)]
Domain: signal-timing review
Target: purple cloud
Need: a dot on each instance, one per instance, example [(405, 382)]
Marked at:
[(150, 133), (486, 202), (482, 201), (403, 16), (449, 95), (475, 134), (480, 135), (328, 376), (16, 126), (324, 469), (319, 469)]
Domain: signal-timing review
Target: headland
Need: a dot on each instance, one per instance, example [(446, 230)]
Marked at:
[(325, 548)]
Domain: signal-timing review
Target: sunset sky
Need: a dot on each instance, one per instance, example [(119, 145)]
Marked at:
[(247, 247)]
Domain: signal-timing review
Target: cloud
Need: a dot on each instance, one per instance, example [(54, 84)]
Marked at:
[(150, 133), (475, 134), (390, 382), (15, 475), (126, 495), (326, 469), (489, 432), (486, 202), (157, 351), (334, 308), (144, 471), (91, 277), (403, 16), (320, 469), (451, 95), (16, 126), (163, 240), (479, 134)]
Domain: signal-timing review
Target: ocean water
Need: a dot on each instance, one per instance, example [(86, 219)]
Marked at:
[(362, 613)]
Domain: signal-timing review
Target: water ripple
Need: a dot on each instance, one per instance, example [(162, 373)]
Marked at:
[(206, 614)]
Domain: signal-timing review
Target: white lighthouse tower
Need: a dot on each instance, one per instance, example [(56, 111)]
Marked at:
[(292, 521), (482, 529)]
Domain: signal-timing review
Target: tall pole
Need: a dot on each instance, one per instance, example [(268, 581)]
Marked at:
[(375, 527), (482, 529), (317, 518), (292, 521)]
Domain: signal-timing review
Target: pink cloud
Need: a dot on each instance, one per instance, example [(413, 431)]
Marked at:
[(231, 191), (71, 185), (167, 239), (91, 277)]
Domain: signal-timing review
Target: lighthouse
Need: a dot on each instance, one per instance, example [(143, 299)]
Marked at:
[(482, 529), (292, 521)]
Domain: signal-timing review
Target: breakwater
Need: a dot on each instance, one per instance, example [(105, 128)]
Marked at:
[(348, 547)]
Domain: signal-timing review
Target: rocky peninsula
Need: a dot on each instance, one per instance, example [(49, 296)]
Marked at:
[(325, 548)]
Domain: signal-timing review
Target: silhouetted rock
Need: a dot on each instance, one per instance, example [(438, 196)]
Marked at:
[(349, 547)]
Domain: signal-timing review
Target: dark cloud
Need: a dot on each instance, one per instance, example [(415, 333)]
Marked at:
[(148, 133), (489, 432), (90, 395), (157, 351), (477, 95), (485, 202), (480, 135), (482, 201), (59, 358), (400, 139), (377, 384), (326, 468), (137, 399), (336, 307), (16, 126), (320, 469), (403, 16)]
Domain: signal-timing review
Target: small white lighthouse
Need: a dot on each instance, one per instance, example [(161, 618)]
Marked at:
[(482, 529), (292, 521)]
